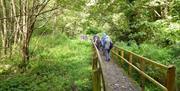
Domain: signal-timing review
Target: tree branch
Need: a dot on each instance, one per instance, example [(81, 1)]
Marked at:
[(32, 15)]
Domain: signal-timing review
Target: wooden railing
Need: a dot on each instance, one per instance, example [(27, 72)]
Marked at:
[(98, 80), (170, 70)]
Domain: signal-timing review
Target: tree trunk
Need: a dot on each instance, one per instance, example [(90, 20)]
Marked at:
[(25, 51), (21, 19), (4, 29), (166, 9), (16, 25)]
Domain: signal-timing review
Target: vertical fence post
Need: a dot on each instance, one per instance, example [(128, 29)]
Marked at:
[(142, 77), (103, 83), (94, 64), (95, 70), (130, 60), (113, 56), (170, 83), (122, 55), (98, 79), (101, 79), (95, 77), (117, 51)]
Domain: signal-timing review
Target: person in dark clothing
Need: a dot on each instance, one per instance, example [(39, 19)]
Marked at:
[(97, 41)]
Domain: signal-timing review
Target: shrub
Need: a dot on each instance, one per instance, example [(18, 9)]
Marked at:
[(93, 30)]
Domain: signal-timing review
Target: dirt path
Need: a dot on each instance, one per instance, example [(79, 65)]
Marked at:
[(115, 78)]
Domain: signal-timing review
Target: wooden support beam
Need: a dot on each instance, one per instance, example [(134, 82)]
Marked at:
[(142, 77), (122, 55), (170, 83), (95, 71), (115, 55), (130, 67)]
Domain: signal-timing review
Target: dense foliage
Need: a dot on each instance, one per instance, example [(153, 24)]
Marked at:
[(58, 60)]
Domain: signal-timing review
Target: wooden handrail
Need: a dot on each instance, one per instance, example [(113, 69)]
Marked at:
[(170, 78), (142, 73), (147, 60), (98, 78)]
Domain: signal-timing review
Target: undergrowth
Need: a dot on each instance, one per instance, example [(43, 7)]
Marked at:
[(57, 64)]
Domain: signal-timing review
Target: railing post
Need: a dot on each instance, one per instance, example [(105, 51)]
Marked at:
[(130, 60), (142, 65), (95, 71), (95, 58), (103, 83), (122, 55), (117, 51), (113, 56), (170, 83), (98, 80)]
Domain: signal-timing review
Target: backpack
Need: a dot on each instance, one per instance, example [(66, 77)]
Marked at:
[(111, 45)]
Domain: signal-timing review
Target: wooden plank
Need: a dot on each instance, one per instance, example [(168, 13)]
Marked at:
[(115, 79), (112, 78)]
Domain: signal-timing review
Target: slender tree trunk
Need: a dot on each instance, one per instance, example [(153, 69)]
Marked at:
[(4, 31), (16, 25), (11, 30), (25, 51), (19, 28), (166, 9), (54, 22), (2, 36)]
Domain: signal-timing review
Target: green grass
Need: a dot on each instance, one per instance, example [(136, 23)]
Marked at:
[(57, 64)]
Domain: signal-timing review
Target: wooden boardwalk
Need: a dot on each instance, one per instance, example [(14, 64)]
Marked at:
[(108, 76), (115, 78)]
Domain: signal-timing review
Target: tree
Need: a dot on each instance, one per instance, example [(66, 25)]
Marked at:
[(4, 28), (18, 25)]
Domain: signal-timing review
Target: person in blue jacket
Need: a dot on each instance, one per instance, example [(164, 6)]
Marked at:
[(106, 45)]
